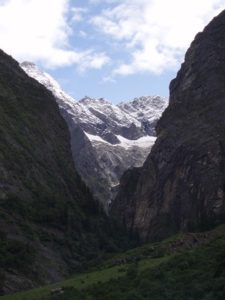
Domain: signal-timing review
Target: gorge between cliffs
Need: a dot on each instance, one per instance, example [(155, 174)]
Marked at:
[(102, 201)]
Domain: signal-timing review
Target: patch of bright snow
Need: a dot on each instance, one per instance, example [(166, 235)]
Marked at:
[(143, 142)]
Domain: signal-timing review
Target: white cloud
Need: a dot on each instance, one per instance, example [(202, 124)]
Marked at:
[(108, 79), (155, 33), (94, 61), (96, 2), (78, 13), (39, 31), (83, 34)]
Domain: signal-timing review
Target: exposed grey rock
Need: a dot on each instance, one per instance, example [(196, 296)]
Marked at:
[(182, 183)]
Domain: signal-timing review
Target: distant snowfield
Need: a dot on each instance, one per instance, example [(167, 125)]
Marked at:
[(143, 142)]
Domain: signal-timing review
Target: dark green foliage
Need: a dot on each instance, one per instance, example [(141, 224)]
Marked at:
[(70, 293), (132, 271), (195, 274), (16, 255)]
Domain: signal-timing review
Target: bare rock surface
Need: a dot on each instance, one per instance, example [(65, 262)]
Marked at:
[(181, 185)]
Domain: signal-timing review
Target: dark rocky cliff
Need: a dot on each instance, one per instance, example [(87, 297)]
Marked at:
[(49, 223), (182, 183)]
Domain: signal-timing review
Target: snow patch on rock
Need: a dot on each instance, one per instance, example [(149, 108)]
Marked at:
[(143, 142)]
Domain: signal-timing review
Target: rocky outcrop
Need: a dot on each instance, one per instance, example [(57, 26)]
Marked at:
[(182, 183)]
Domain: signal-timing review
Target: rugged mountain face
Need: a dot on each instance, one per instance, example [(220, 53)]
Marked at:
[(106, 139), (182, 183), (147, 110), (49, 223)]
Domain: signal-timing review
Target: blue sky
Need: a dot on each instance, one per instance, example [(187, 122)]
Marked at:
[(116, 49)]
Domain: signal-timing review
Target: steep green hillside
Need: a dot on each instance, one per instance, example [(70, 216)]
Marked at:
[(186, 266), (49, 224)]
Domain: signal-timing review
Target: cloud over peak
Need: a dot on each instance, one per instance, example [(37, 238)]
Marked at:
[(127, 36), (39, 30), (155, 33)]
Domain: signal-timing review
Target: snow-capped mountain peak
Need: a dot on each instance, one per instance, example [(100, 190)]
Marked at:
[(47, 80), (88, 100), (106, 139), (145, 107)]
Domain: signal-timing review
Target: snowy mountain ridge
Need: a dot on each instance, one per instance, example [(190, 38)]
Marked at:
[(97, 112), (47, 80), (145, 107), (106, 139)]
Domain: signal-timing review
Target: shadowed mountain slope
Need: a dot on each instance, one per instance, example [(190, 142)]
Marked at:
[(49, 223)]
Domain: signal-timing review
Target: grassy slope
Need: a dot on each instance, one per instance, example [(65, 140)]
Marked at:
[(84, 280), (186, 266)]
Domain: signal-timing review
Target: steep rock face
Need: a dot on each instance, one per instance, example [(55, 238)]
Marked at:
[(106, 139), (49, 223), (182, 183), (147, 110)]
